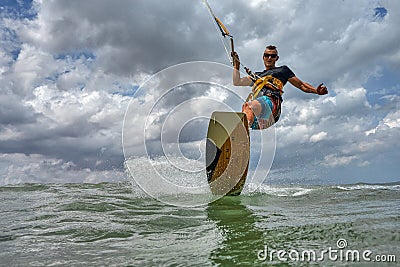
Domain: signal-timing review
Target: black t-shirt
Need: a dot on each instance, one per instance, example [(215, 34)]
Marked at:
[(282, 73)]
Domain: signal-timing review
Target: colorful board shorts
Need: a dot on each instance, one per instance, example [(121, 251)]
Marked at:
[(270, 112)]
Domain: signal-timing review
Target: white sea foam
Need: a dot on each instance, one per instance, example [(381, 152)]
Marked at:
[(280, 191), (395, 187)]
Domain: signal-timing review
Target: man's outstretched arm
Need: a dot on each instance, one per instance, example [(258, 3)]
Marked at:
[(308, 88)]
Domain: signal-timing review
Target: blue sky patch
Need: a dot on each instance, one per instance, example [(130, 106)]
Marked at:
[(130, 91), (380, 13), (385, 84), (17, 9), (76, 55)]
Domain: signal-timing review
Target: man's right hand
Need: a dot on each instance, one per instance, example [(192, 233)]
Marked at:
[(235, 60)]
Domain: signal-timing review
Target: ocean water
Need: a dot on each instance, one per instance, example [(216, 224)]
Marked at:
[(115, 224)]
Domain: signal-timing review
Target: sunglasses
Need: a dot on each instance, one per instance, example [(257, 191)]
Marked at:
[(270, 55)]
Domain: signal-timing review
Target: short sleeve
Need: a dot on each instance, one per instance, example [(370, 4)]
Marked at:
[(288, 73)]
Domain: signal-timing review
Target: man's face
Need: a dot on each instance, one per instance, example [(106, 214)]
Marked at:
[(270, 57)]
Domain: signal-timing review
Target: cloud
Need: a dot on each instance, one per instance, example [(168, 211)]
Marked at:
[(332, 132), (125, 38), (34, 168), (318, 137), (334, 160)]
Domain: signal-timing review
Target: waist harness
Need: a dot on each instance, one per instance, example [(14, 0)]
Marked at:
[(271, 87)]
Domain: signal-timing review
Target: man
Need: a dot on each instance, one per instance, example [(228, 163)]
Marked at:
[(264, 110)]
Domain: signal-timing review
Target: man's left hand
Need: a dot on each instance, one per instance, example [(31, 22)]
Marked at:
[(322, 90)]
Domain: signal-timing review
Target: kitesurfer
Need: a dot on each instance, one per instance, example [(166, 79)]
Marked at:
[(265, 107)]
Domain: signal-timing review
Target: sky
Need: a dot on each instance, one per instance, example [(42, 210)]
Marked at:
[(70, 70)]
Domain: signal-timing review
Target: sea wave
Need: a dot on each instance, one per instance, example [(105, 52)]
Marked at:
[(280, 191), (303, 190), (391, 186)]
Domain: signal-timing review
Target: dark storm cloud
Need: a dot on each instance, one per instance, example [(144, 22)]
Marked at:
[(128, 36), (14, 112)]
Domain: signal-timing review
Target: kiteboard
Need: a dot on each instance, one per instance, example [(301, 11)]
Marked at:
[(227, 152)]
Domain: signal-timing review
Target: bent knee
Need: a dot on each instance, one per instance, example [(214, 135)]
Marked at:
[(254, 105)]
